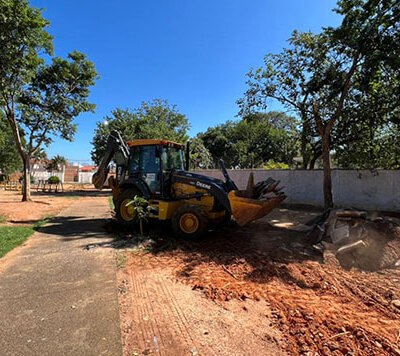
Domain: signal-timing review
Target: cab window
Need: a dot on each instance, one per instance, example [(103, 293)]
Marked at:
[(149, 162), (171, 158), (135, 159), (149, 167)]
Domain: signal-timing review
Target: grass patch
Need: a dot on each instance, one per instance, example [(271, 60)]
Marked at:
[(13, 236), (111, 203), (3, 218), (45, 219)]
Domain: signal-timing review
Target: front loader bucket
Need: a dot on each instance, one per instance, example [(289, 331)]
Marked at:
[(246, 210)]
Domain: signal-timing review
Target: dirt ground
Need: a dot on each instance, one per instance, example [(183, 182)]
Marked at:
[(280, 296), (163, 317), (41, 206)]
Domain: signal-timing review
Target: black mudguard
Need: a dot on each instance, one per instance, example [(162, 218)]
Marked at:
[(215, 186), (137, 183)]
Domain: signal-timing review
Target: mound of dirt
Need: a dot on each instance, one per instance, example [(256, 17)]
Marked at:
[(358, 241), (384, 245)]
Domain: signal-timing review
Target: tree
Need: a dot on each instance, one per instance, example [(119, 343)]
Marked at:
[(56, 163), (200, 156), (253, 140), (39, 100), (10, 161), (283, 78), (372, 142), (276, 119), (378, 148), (217, 140), (142, 209), (156, 119), (322, 76)]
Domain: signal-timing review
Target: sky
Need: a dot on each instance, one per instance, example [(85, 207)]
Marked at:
[(194, 53)]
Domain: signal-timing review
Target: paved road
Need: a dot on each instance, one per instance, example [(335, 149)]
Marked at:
[(56, 296)]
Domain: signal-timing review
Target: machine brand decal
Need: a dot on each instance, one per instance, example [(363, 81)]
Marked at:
[(202, 185)]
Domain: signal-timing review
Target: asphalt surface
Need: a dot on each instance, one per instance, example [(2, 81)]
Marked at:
[(57, 296)]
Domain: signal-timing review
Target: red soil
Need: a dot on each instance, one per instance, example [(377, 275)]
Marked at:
[(316, 304)]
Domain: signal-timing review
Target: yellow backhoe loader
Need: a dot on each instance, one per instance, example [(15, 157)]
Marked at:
[(154, 170)]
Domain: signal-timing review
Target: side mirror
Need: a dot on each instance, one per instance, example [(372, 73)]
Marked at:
[(187, 157)]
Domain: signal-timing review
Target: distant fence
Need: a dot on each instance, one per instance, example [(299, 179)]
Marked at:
[(358, 189), (81, 177), (46, 175)]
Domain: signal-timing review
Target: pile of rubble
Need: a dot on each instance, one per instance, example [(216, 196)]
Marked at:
[(263, 190), (358, 241)]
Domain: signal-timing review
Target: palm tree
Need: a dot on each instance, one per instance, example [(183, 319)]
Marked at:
[(56, 163)]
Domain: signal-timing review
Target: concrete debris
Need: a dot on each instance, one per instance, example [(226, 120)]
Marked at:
[(264, 190), (368, 244)]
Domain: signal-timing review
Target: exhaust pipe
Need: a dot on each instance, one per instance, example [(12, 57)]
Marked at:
[(187, 157)]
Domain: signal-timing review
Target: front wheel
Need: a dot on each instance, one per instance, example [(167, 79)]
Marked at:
[(190, 221), (126, 215)]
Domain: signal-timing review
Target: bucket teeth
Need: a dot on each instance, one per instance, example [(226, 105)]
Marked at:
[(250, 186)]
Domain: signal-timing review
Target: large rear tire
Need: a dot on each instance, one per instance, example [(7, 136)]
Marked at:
[(126, 215), (190, 221)]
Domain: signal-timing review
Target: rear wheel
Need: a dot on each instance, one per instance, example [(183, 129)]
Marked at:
[(190, 221), (126, 215)]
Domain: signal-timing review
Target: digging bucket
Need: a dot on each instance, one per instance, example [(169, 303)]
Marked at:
[(246, 210)]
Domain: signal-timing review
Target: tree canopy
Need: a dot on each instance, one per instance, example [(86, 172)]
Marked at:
[(39, 99), (10, 160), (155, 119), (253, 140), (200, 157)]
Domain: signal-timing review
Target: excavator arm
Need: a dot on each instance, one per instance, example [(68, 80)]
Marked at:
[(117, 149)]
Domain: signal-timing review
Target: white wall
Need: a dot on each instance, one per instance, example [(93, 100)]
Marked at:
[(46, 175), (85, 177), (351, 188)]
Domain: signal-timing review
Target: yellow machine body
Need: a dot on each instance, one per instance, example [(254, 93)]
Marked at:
[(246, 210), (165, 209)]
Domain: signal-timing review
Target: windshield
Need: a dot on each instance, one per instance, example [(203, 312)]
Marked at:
[(172, 158)]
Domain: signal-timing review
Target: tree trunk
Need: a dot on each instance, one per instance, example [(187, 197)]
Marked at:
[(316, 154), (303, 146), (326, 159), (312, 162), (26, 183), (141, 226)]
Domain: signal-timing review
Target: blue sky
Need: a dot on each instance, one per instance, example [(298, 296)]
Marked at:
[(193, 53)]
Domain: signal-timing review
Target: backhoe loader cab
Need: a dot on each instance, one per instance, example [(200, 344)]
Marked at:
[(152, 161), (154, 170)]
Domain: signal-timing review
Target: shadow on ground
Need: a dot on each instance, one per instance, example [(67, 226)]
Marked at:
[(72, 228), (267, 249), (75, 193)]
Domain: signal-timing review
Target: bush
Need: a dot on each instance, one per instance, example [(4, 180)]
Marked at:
[(271, 164), (53, 180)]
